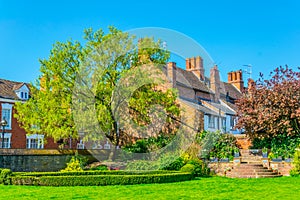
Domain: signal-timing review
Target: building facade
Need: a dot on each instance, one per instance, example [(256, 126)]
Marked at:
[(209, 95), (14, 136)]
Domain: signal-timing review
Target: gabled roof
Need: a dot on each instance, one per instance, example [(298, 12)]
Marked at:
[(189, 78), (188, 83), (233, 92), (7, 89), (18, 86)]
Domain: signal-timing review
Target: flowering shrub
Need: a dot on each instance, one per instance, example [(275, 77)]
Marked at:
[(73, 166)]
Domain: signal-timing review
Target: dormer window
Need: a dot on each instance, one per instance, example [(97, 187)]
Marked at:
[(22, 92), (22, 95)]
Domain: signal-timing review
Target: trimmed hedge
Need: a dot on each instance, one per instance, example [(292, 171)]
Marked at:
[(97, 172), (5, 176), (91, 180)]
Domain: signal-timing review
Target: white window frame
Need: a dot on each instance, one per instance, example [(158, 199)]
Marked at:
[(7, 106), (211, 121), (38, 137), (8, 143)]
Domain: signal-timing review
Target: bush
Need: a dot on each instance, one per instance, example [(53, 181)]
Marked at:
[(167, 162), (142, 165), (218, 145), (176, 165), (149, 144), (281, 145), (188, 168), (5, 176), (201, 168), (89, 180), (73, 165), (296, 164)]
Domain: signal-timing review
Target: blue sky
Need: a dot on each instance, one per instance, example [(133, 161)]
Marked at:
[(265, 34)]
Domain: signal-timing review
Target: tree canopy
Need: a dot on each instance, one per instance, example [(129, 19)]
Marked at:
[(271, 107), (79, 83)]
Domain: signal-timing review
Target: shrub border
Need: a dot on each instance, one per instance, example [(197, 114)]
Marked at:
[(94, 180)]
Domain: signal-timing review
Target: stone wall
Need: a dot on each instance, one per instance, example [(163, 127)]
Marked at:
[(41, 159), (220, 168), (28, 163), (282, 167)]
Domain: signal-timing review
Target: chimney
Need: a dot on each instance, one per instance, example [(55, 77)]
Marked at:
[(171, 72), (236, 79), (215, 83), (195, 64)]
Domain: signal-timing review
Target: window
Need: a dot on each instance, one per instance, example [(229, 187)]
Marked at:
[(34, 141), (6, 114), (233, 121), (23, 92), (211, 121), (6, 142)]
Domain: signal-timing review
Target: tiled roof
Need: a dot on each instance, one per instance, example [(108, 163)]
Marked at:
[(187, 83), (189, 78), (233, 92), (7, 89)]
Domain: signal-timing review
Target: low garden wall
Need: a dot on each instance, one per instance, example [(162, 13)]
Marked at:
[(220, 168), (28, 160), (282, 167)]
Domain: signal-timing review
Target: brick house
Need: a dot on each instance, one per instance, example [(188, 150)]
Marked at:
[(15, 137), (209, 95)]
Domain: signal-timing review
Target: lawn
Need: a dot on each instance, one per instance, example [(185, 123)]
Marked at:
[(204, 188)]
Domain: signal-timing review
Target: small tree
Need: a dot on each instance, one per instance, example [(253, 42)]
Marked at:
[(271, 107)]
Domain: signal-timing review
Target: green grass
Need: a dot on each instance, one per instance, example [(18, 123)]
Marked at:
[(204, 188)]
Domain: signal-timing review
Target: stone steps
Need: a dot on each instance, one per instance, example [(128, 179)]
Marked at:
[(255, 176), (251, 171), (251, 166)]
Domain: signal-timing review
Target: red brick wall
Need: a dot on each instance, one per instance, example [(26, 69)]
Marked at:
[(18, 134)]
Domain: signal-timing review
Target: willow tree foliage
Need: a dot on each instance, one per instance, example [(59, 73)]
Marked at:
[(89, 76)]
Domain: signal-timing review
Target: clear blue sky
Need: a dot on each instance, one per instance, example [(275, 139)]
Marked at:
[(265, 34)]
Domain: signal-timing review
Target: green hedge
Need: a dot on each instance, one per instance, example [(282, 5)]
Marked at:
[(97, 172), (5, 176), (90, 180)]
